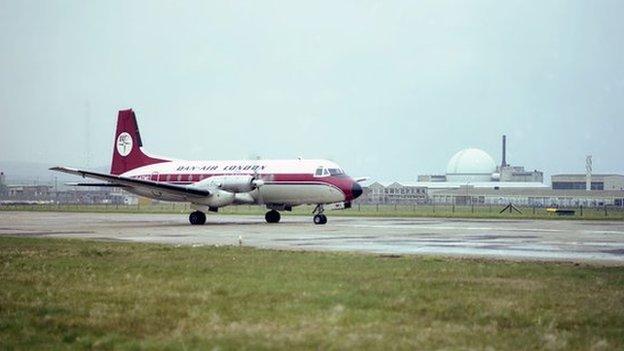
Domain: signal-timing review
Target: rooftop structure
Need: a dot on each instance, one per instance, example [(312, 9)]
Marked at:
[(470, 165)]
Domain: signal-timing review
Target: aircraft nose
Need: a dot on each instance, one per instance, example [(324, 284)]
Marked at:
[(356, 190)]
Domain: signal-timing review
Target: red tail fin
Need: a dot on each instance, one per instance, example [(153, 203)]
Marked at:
[(127, 152)]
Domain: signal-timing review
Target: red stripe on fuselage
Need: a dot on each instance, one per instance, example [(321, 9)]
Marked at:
[(342, 182)]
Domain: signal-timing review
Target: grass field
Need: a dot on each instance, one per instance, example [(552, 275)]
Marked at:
[(446, 211), (67, 294)]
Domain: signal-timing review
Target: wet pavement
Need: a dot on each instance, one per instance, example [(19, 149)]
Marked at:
[(543, 240)]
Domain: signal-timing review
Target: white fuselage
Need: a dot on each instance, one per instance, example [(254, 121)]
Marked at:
[(281, 182)]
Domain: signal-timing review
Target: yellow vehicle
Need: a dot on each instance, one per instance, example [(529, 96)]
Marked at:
[(560, 211)]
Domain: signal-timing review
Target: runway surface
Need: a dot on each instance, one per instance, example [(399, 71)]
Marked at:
[(578, 241)]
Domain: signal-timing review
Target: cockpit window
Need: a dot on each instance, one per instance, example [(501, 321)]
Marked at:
[(325, 172)]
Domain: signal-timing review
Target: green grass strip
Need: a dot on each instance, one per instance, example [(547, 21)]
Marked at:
[(75, 294)]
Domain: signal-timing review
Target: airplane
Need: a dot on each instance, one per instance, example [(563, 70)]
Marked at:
[(209, 185)]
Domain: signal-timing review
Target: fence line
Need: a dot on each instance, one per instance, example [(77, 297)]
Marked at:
[(473, 210)]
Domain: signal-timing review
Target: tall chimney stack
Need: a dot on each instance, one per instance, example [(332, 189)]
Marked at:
[(504, 162)]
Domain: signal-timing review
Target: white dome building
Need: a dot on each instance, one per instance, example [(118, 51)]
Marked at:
[(470, 166)]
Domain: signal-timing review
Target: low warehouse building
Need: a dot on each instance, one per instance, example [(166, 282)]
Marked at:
[(393, 193), (578, 181), (529, 197)]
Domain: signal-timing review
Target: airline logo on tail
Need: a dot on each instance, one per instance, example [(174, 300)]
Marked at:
[(124, 144)]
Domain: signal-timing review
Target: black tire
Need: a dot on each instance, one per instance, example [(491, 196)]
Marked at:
[(318, 219), (272, 216), (202, 218), (197, 218)]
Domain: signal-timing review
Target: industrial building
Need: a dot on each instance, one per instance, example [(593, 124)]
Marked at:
[(393, 193), (529, 197), (579, 181), (406, 194), (22, 193), (28, 192), (478, 169), (4, 190), (472, 177)]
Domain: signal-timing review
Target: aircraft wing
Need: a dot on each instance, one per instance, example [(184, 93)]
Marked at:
[(138, 184), (110, 185)]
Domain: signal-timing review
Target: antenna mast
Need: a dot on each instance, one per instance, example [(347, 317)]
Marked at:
[(588, 172)]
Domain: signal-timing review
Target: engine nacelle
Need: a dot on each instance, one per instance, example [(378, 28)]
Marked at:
[(218, 198), (231, 183)]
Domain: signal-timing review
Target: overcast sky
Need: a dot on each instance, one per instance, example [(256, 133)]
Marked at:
[(386, 89)]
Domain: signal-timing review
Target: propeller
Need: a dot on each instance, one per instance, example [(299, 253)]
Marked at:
[(258, 182)]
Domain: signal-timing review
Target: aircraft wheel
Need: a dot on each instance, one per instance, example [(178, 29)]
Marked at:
[(272, 216), (197, 217), (320, 219)]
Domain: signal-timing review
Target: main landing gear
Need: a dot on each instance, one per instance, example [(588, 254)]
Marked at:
[(197, 217), (272, 216), (319, 217)]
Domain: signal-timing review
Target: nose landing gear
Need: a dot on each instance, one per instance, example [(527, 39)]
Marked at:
[(319, 217), (272, 216), (197, 218)]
